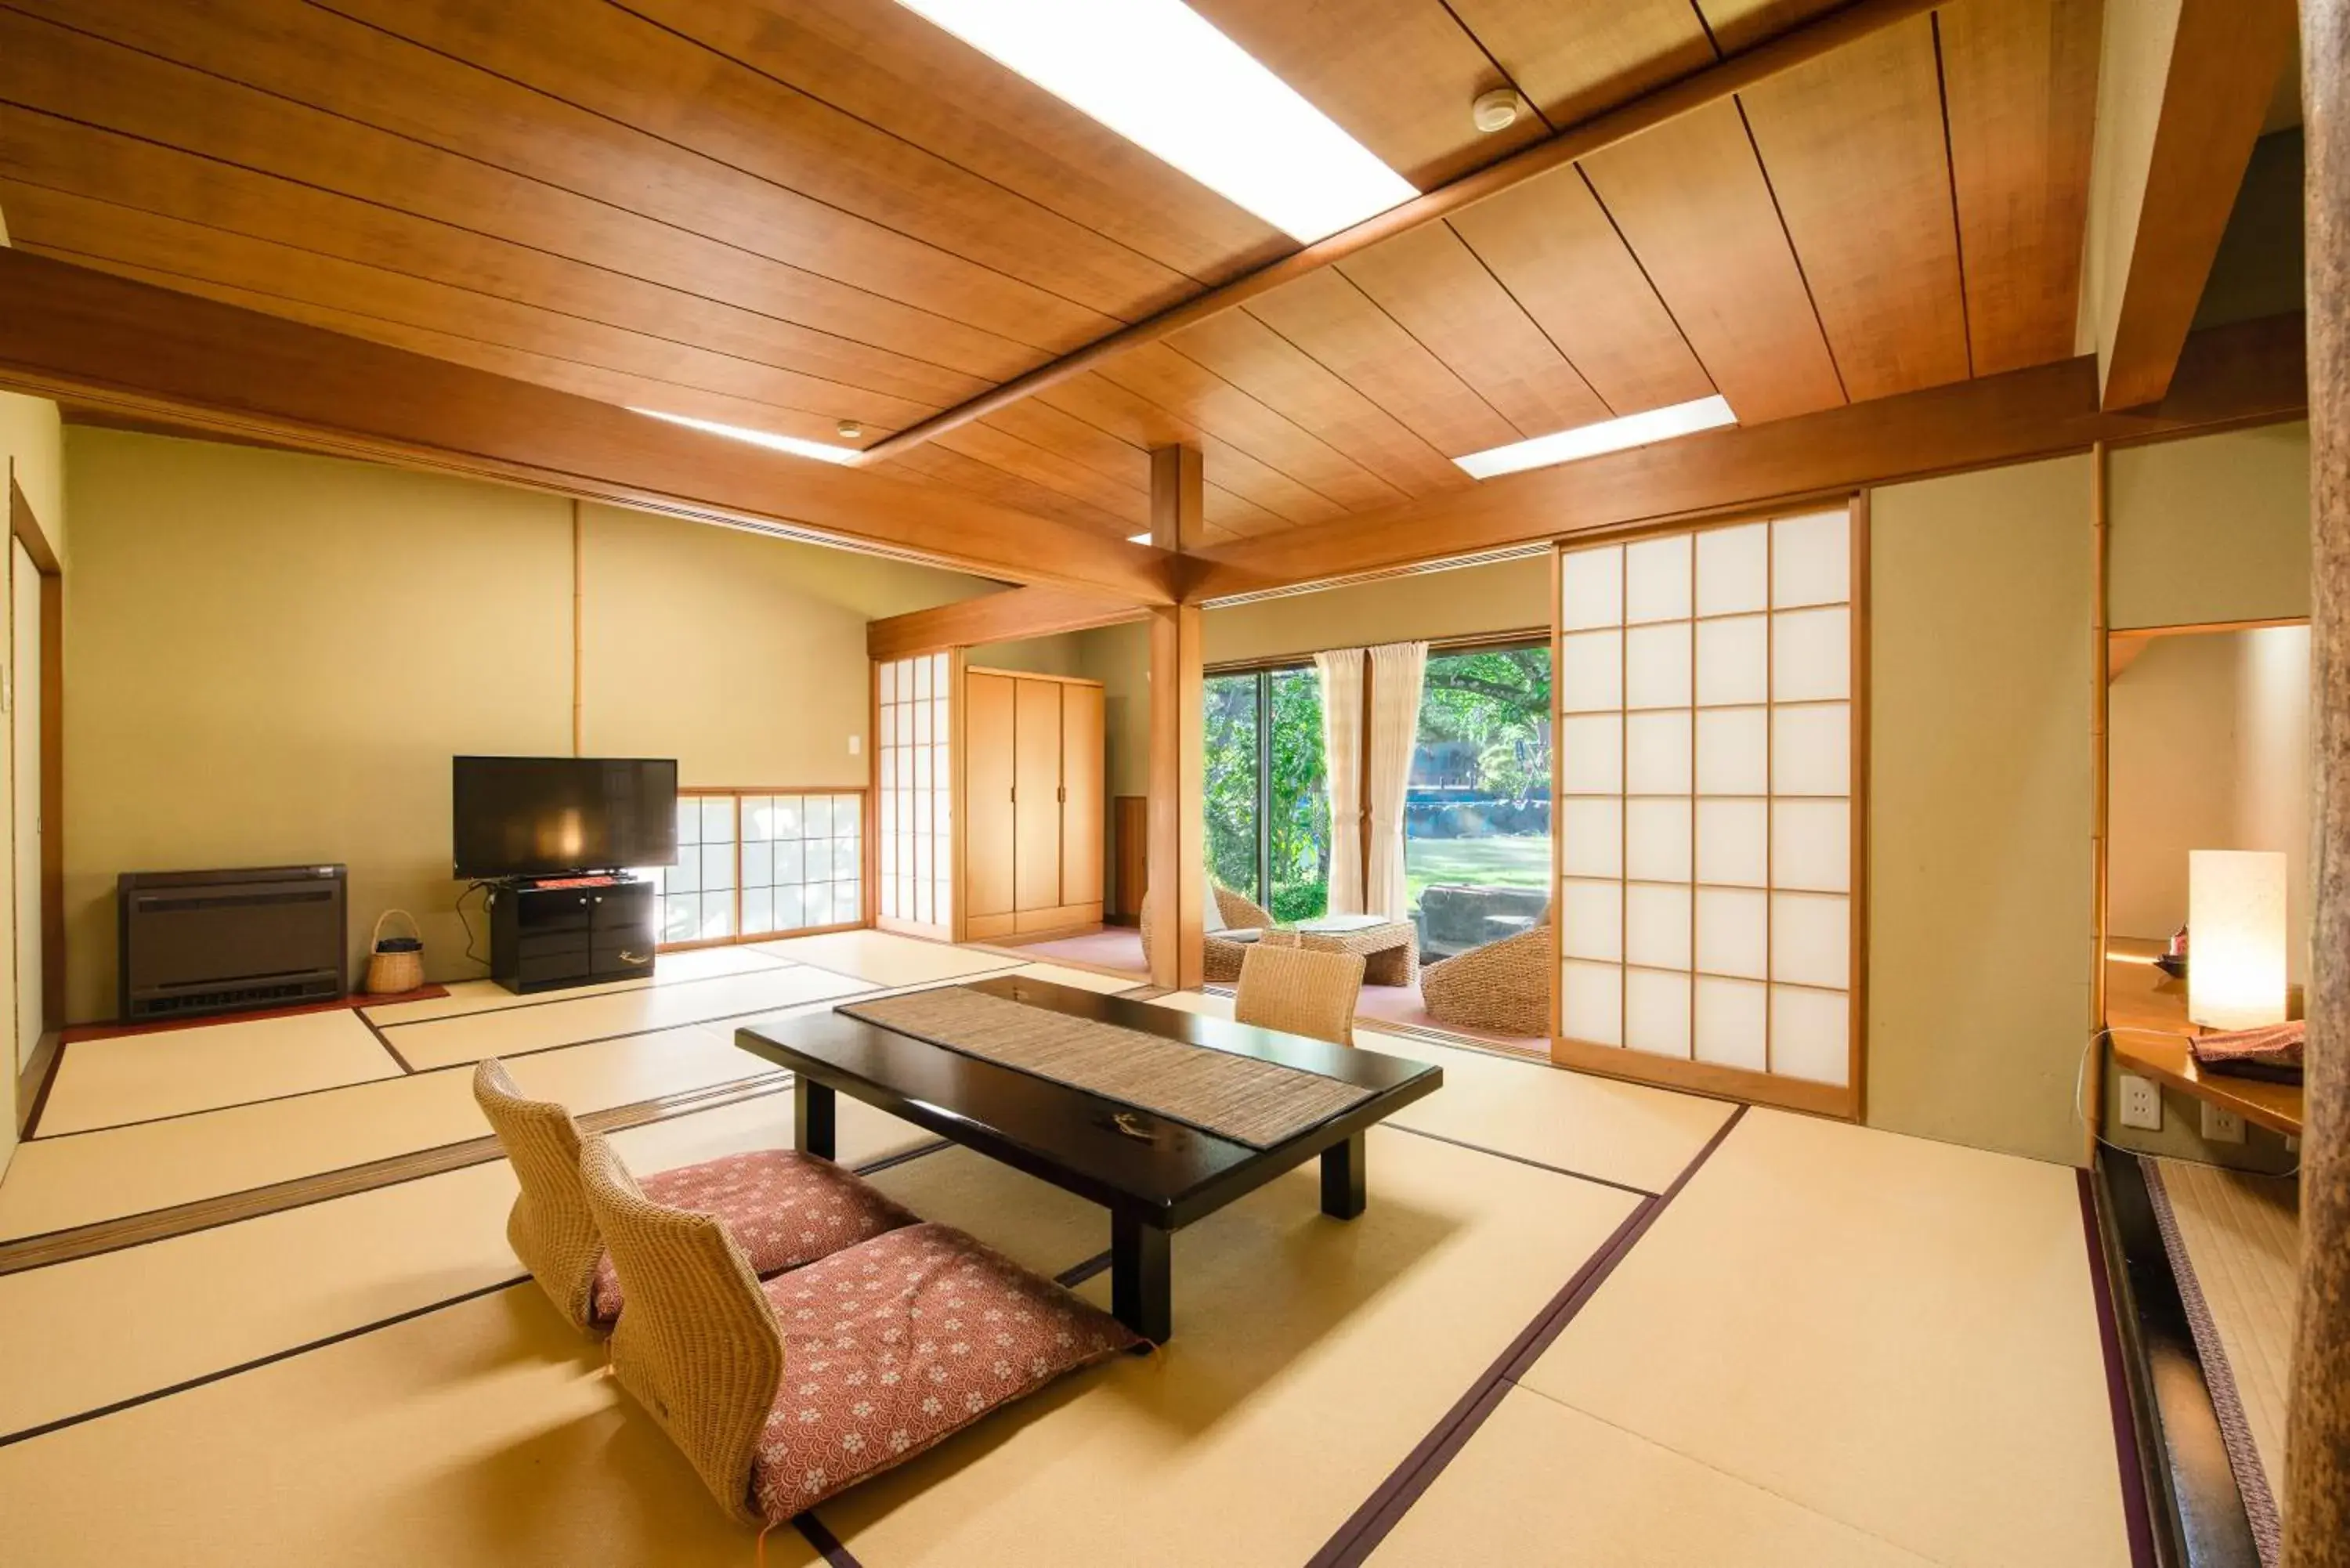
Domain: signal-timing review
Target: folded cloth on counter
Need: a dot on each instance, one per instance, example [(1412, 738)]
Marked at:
[(2272, 1052)]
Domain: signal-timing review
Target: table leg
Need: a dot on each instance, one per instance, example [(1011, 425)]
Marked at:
[(1141, 1289), (812, 1118), (1342, 1192)]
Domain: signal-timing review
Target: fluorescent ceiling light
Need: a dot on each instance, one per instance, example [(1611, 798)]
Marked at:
[(1608, 435), (1160, 75), (820, 450)]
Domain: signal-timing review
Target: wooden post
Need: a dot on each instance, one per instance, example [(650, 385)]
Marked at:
[(1178, 879), (2317, 1439), (2101, 680)]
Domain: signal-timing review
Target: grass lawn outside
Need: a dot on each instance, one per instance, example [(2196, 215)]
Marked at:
[(1499, 860)]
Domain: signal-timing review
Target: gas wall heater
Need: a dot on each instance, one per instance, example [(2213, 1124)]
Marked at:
[(223, 941)]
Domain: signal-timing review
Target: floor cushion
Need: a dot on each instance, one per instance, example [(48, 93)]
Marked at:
[(784, 1208), (895, 1345)]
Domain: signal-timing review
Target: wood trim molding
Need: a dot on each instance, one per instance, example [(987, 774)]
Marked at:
[(2159, 229), (1796, 47), (88, 337), (1708, 1078), (2250, 373), (1039, 611), (25, 526)]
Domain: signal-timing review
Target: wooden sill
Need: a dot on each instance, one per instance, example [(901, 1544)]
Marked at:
[(2146, 1011)]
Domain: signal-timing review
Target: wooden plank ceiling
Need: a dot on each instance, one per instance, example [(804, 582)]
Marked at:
[(791, 214)]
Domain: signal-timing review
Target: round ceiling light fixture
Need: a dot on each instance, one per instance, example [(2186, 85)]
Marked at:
[(1496, 110), (848, 429)]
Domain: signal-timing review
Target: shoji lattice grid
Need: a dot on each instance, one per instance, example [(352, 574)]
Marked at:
[(802, 862), (1704, 753), (917, 869)]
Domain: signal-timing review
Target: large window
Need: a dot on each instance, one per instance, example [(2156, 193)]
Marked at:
[(1267, 798), (1477, 817), (755, 865)]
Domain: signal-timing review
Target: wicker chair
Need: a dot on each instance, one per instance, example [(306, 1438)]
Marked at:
[(1298, 991), (1502, 986), (790, 1207), (704, 1345), (1222, 958)]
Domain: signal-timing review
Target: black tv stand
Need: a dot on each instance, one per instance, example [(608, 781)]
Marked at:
[(577, 928)]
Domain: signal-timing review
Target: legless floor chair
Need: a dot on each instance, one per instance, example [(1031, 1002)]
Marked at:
[(784, 1208), (786, 1393)]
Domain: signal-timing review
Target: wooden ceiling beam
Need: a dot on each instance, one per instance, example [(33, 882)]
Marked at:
[(2186, 85), (1697, 90), (1039, 611), (92, 338), (2250, 373)]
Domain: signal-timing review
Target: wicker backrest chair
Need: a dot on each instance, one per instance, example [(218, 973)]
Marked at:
[(1299, 990), (550, 1228), (699, 1346)]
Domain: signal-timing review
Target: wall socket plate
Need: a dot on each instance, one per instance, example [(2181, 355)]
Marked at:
[(2141, 1102), (2222, 1127)]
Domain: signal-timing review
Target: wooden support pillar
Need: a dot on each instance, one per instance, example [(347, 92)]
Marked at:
[(2317, 1440), (1178, 883)]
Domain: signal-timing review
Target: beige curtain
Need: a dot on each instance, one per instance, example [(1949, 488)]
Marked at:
[(1342, 750), (1396, 671)]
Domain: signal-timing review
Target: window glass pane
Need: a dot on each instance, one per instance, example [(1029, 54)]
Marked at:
[(758, 817), (788, 806), (718, 819), (717, 866), (758, 866), (847, 903), (845, 810), (787, 861), (688, 819), (1231, 798), (681, 917), (816, 817), (717, 916), (844, 859), (1297, 798), (1477, 815)]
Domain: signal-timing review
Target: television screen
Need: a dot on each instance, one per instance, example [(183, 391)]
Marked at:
[(538, 816)]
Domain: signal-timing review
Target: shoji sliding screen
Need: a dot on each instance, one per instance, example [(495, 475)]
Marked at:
[(914, 793), (1709, 811)]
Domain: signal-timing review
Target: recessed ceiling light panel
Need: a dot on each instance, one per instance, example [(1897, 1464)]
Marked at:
[(1157, 73), (792, 444), (1608, 435)]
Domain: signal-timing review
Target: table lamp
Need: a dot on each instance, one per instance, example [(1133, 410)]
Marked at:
[(2235, 934)]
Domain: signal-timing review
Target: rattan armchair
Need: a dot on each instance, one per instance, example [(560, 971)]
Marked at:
[(1502, 986), (1222, 958)]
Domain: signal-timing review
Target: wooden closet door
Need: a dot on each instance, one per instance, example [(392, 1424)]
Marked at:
[(1082, 766), (988, 779), (1036, 795)]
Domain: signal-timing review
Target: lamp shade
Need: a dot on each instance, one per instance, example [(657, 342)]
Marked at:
[(2235, 936)]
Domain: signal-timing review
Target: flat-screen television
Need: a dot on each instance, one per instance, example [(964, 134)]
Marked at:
[(539, 817)]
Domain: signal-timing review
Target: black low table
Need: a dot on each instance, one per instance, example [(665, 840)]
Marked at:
[(1154, 1174)]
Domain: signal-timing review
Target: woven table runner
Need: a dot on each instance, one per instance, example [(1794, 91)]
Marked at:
[(1244, 1099)]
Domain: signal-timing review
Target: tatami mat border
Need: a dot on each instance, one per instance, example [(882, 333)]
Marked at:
[(2175, 1476), (51, 1247), (1368, 1525), (877, 994), (1523, 1159)]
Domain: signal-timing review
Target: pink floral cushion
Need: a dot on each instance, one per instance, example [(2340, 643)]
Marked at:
[(783, 1208), (895, 1345)]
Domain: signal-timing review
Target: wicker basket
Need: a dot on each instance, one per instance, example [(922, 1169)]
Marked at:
[(395, 963)]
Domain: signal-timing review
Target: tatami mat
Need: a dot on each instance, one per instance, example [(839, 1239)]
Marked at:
[(513, 1031), (1035, 1225), (1897, 1334), (482, 1435), (488, 995), (135, 1077), (1310, 1356), (1080, 979), (55, 1183), (2243, 1234), (884, 958), (1591, 1126), (128, 1323), (1543, 1486)]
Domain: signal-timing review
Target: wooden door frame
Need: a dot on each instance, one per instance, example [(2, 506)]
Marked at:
[(25, 527)]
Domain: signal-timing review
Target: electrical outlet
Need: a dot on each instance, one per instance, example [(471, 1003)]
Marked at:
[(2222, 1127), (2141, 1102)]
